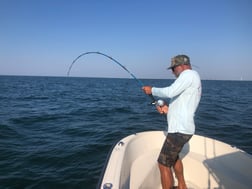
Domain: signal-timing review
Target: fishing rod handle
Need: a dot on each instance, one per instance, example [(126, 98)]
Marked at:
[(153, 100)]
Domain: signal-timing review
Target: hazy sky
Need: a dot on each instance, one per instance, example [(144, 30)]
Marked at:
[(43, 37)]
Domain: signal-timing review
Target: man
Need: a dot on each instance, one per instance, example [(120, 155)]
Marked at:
[(184, 94)]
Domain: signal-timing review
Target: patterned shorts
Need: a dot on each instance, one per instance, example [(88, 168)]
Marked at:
[(172, 146)]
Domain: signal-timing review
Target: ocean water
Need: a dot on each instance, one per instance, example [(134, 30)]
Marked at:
[(56, 132)]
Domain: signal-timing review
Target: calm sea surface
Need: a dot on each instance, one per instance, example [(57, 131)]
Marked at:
[(56, 132)]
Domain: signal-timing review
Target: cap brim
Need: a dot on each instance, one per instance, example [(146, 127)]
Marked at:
[(169, 67)]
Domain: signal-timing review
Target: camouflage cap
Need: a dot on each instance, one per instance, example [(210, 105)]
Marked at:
[(179, 60)]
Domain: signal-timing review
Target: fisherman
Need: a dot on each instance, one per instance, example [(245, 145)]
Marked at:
[(184, 94)]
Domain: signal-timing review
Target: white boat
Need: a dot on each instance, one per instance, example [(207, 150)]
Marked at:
[(208, 164)]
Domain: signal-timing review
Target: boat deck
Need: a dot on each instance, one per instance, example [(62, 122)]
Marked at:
[(208, 163)]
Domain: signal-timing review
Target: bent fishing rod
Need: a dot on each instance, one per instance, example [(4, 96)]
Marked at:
[(153, 101)]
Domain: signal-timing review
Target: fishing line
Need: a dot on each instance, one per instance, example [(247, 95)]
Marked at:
[(115, 61)]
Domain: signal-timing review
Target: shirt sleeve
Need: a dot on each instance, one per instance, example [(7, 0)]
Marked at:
[(179, 85)]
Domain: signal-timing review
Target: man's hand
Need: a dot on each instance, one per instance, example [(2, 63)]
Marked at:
[(147, 89), (162, 109)]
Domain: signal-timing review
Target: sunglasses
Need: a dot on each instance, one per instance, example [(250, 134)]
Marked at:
[(173, 68)]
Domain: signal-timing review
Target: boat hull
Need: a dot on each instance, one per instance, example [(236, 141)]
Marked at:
[(208, 163)]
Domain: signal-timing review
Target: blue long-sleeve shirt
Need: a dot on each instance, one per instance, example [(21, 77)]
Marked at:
[(184, 94)]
